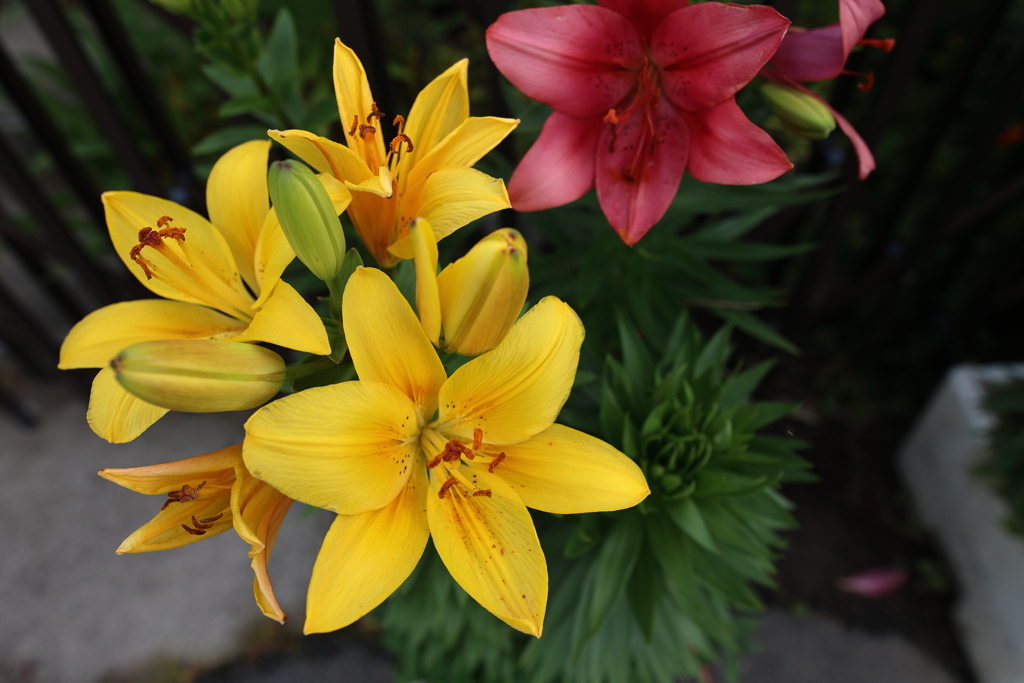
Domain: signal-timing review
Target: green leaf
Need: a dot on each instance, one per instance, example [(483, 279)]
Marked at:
[(744, 252), (734, 227), (643, 591), (739, 386), (669, 547), (343, 372), (585, 537), (686, 515), (636, 359), (715, 352), (336, 336), (256, 105), (615, 563), (228, 137), (279, 62), (349, 264), (757, 328), (235, 84), (320, 115)]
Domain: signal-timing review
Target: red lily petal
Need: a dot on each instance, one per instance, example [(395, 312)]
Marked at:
[(813, 55), (638, 176), (709, 51), (644, 14), (559, 168), (819, 54), (578, 59), (726, 148)]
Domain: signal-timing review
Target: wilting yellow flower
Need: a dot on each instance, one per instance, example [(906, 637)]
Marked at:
[(424, 172), (207, 269), (372, 451), (208, 495)]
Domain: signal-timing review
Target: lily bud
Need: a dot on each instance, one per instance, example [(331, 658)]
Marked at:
[(798, 111), (307, 217), (200, 375), (482, 293)]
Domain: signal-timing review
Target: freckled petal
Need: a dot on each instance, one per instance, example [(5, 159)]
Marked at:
[(451, 197), (345, 447), (287, 320), (104, 333), (634, 206), (579, 59), (515, 391), (366, 557), (491, 548), (129, 212), (326, 156), (387, 342), (645, 15), (116, 415), (352, 90), (238, 201), (559, 167), (707, 52), (439, 109), (565, 471), (726, 148), (216, 469)]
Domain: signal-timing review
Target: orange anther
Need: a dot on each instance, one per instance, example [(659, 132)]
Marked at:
[(435, 461), (355, 126), (374, 113), (186, 495), (494, 463), (444, 488), (399, 122), (611, 117), (483, 492), (201, 525), (478, 439), (885, 45), (452, 451), (163, 220)]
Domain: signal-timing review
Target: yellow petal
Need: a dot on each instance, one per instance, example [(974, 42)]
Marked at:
[(451, 198), (366, 557), (374, 220), (257, 511), (220, 285), (464, 146), (490, 547), (387, 342), (345, 447), (381, 185), (104, 333), (440, 108), (428, 302), (565, 471), (261, 586), (515, 391), (164, 531), (352, 90), (287, 320), (326, 156), (217, 469), (116, 415), (238, 201)]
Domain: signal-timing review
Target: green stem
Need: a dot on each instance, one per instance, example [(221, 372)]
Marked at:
[(294, 372)]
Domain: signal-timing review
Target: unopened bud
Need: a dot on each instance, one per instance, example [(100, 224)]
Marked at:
[(200, 375), (483, 292), (307, 217), (801, 113)]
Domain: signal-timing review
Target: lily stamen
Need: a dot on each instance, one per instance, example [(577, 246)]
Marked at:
[(186, 495), (483, 492), (478, 439), (201, 525), (494, 463), (355, 126), (445, 486)]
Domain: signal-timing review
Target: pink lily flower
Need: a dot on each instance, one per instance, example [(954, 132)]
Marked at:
[(820, 54), (642, 90)]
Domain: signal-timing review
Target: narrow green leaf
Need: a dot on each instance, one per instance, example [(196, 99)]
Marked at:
[(279, 63), (686, 515), (714, 353), (228, 137), (643, 591), (739, 386), (756, 328), (615, 563)]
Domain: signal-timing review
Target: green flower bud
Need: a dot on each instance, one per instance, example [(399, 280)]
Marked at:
[(482, 293), (200, 375), (307, 217), (798, 111)]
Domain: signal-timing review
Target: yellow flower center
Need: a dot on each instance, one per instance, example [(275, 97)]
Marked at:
[(367, 134), (449, 454)]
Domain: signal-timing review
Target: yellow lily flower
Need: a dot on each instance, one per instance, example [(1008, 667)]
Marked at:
[(208, 273), (424, 172), (206, 496), (372, 451)]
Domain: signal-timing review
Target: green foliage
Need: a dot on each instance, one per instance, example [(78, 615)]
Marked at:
[(646, 594), (1005, 469)]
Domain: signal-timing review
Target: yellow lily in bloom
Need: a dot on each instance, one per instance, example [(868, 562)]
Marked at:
[(374, 452), (424, 172), (208, 495), (220, 279)]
